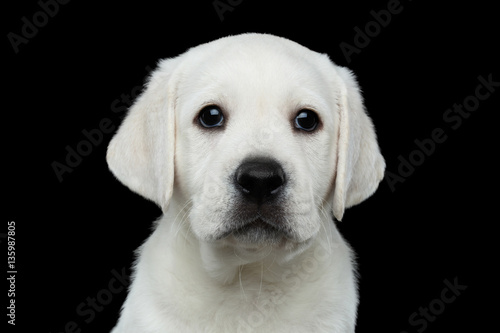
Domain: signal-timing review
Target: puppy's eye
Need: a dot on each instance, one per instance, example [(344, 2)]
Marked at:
[(306, 120), (211, 116)]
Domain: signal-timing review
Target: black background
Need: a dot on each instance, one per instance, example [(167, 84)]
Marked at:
[(438, 224)]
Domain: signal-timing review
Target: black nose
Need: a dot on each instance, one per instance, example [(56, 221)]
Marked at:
[(259, 179)]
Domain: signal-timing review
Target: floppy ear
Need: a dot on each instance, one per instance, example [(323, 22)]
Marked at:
[(360, 165), (141, 154)]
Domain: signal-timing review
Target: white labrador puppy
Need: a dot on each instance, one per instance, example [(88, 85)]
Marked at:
[(249, 144)]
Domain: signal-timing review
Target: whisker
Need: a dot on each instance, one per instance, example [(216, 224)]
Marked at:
[(179, 222), (326, 218), (261, 278), (240, 269)]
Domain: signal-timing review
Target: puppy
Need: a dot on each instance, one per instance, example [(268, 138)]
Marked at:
[(251, 145)]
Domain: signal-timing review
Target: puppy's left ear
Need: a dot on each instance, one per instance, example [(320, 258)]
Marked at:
[(360, 165), (141, 154)]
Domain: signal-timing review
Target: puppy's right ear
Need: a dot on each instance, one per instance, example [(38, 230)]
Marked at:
[(141, 154)]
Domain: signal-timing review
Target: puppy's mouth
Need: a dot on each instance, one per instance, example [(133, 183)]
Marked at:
[(258, 230), (258, 225)]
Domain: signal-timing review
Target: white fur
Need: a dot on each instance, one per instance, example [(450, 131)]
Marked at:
[(186, 279)]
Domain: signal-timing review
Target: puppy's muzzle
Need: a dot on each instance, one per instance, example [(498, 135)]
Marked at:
[(258, 215), (260, 179)]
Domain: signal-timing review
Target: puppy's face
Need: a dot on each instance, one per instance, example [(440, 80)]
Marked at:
[(256, 145), (256, 138)]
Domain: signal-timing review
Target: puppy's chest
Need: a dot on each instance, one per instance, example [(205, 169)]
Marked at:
[(250, 308)]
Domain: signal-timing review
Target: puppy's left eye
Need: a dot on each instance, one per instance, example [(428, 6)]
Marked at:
[(306, 120), (211, 116)]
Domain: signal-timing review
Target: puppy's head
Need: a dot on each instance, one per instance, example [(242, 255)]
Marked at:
[(260, 137)]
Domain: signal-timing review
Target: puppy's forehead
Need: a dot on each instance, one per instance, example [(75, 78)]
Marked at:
[(254, 65)]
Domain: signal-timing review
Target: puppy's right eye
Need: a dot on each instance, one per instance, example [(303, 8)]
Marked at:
[(211, 116)]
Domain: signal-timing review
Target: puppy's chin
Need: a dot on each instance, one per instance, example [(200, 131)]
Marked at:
[(257, 240), (280, 249)]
